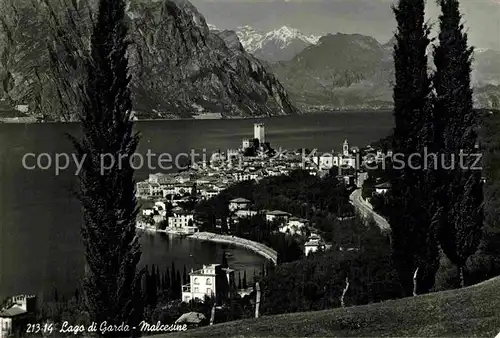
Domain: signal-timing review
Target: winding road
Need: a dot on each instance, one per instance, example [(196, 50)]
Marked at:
[(366, 210)]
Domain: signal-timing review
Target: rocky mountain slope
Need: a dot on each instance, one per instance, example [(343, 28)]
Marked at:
[(278, 45), (342, 70), (179, 68)]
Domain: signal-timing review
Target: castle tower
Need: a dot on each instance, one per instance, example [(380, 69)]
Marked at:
[(259, 132), (345, 148)]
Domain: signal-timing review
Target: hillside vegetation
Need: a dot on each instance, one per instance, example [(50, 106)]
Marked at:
[(469, 312)]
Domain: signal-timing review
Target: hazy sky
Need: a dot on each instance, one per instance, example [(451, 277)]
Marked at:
[(369, 17)]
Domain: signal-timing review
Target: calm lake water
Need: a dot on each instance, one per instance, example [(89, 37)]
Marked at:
[(40, 219)]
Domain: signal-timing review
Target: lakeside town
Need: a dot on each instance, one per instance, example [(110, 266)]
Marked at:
[(168, 199)]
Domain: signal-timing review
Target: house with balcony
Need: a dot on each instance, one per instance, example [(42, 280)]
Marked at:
[(181, 220), (314, 244), (205, 281), (155, 190), (295, 226), (283, 216), (245, 213), (238, 204), (142, 189), (19, 311)]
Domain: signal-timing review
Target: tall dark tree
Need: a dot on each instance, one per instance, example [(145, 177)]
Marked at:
[(112, 283), (224, 263), (167, 284), (184, 276), (178, 285), (244, 279), (158, 279), (460, 198), (151, 288), (173, 281), (413, 237)]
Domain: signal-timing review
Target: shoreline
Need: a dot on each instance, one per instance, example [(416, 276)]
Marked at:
[(32, 120), (256, 247)]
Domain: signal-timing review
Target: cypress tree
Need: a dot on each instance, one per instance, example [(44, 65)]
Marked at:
[(152, 288), (112, 283), (460, 198), (173, 282), (178, 286), (158, 279), (414, 243), (145, 284), (224, 264), (184, 276), (167, 280)]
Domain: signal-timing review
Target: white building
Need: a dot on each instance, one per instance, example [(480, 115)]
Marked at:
[(14, 317), (232, 153), (210, 193), (238, 204), (245, 176), (180, 220), (182, 189), (325, 161), (155, 190), (203, 282), (277, 214), (245, 213), (295, 226), (159, 178), (246, 144), (382, 188), (259, 132), (314, 244), (344, 161), (142, 189), (345, 148)]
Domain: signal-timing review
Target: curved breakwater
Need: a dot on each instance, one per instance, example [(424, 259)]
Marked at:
[(258, 248)]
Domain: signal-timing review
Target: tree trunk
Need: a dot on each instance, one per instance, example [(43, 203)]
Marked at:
[(212, 315), (461, 275), (342, 303), (415, 282), (257, 300)]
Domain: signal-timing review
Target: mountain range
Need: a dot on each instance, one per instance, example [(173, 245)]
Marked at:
[(345, 71), (281, 44)]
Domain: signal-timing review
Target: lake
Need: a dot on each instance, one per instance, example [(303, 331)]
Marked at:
[(40, 219)]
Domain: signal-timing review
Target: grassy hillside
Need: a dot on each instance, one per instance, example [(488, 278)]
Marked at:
[(470, 312)]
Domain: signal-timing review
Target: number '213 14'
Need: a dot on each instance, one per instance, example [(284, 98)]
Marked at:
[(38, 328)]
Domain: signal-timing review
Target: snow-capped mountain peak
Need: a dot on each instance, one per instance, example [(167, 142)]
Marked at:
[(277, 45), (250, 38), (212, 27), (288, 34)]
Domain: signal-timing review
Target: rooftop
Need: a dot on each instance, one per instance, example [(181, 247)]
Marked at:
[(12, 311), (277, 213), (298, 219), (191, 318), (202, 271), (239, 200), (314, 242)]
